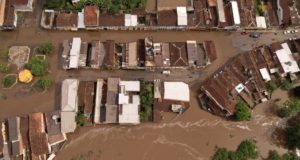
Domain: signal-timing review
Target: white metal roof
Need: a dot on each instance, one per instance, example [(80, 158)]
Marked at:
[(265, 74), (68, 123), (287, 60), (261, 22), (131, 20), (98, 101), (69, 95), (130, 112), (181, 16), (123, 99), (235, 12), (81, 19), (239, 88), (130, 86), (221, 12), (74, 53), (178, 91)]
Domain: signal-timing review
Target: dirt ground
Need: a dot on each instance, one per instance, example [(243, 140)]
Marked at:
[(193, 135)]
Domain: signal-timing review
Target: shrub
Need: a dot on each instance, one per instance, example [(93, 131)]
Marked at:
[(4, 54), (242, 112), (8, 81), (290, 156), (4, 68), (221, 154), (286, 85), (291, 108), (246, 150), (46, 48), (80, 119), (37, 66), (147, 99), (271, 86), (273, 155), (44, 83)]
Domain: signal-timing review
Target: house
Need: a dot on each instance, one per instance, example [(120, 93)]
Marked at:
[(38, 138), (182, 19), (53, 128), (97, 55), (172, 4), (10, 16), (178, 54), (286, 59), (23, 5), (15, 148), (221, 12), (110, 56), (74, 53), (69, 105), (130, 20), (91, 17), (132, 60), (67, 21), (179, 93), (99, 108), (2, 11), (235, 13), (111, 105), (261, 22), (129, 101)]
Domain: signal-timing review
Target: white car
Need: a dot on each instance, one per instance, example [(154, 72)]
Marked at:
[(166, 72)]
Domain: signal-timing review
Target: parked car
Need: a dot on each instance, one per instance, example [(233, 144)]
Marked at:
[(166, 72), (244, 33), (254, 35)]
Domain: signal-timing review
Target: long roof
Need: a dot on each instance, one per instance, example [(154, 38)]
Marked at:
[(129, 113), (2, 11), (69, 95), (91, 16), (68, 123)]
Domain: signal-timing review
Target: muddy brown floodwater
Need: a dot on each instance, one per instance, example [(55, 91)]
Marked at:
[(190, 136)]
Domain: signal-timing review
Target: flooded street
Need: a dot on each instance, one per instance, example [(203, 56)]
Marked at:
[(192, 136)]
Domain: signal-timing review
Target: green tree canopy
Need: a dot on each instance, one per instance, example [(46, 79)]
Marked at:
[(242, 112), (271, 86), (44, 83), (37, 66), (273, 155), (46, 48), (286, 85)]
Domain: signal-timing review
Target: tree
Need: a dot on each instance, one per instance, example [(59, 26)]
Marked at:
[(296, 91), (221, 154), (291, 108), (46, 48), (271, 86), (290, 156), (242, 112), (292, 135), (37, 66), (286, 85), (273, 155), (8, 81), (247, 149), (44, 83)]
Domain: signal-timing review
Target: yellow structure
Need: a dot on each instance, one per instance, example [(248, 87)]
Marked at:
[(25, 76)]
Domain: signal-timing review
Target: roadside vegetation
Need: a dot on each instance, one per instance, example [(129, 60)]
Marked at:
[(4, 68), (246, 150), (44, 83), (110, 6), (80, 119), (290, 108), (46, 48), (8, 81), (258, 7), (274, 155), (147, 99), (242, 113)]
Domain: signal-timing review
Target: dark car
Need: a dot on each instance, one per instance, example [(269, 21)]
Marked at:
[(254, 35)]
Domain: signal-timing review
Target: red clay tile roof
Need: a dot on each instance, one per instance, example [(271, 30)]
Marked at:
[(67, 20), (9, 15), (20, 2), (91, 14), (178, 54), (37, 136), (111, 20), (167, 18)]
